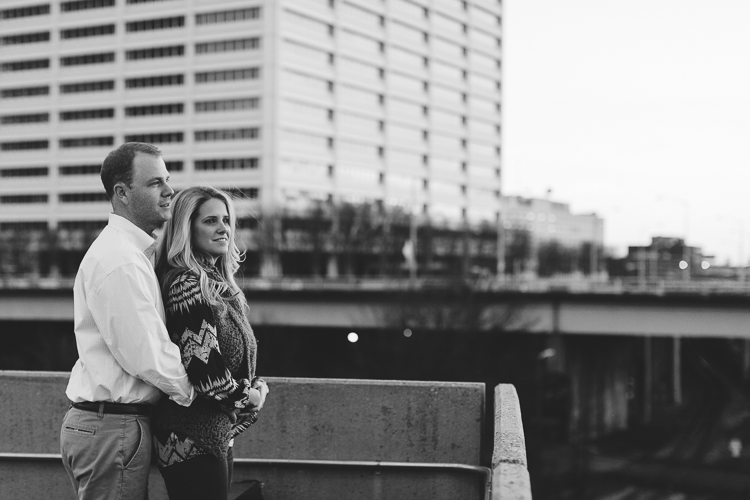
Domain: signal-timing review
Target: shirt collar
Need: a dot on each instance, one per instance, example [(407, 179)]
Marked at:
[(137, 235)]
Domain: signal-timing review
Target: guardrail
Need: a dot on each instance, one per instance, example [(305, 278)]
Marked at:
[(317, 438), (612, 286)]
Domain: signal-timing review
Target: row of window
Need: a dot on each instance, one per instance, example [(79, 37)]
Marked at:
[(42, 36), (146, 110), (100, 197), (27, 11), (154, 138), (131, 55), (172, 166), (76, 5), (87, 31)]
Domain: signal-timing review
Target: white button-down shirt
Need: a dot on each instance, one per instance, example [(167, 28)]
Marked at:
[(124, 351)]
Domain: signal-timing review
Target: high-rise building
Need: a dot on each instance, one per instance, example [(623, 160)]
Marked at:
[(281, 101)]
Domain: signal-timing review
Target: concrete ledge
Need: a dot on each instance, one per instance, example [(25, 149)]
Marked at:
[(317, 419), (304, 419), (510, 475)]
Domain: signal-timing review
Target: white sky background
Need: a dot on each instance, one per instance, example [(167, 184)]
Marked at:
[(636, 110)]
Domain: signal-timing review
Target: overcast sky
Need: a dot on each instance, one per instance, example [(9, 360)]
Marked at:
[(636, 110)]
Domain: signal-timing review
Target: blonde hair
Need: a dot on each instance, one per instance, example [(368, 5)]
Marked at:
[(175, 253)]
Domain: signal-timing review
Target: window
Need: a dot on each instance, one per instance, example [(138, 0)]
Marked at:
[(83, 197), (24, 145), (227, 105), (27, 118), (87, 142), (31, 10), (71, 88), (251, 193), (227, 75), (23, 198), (84, 225), (25, 172), (155, 109), (154, 81), (85, 4), (80, 169), (158, 137), (24, 92), (88, 59), (25, 65), (24, 226), (156, 24), (87, 114), (227, 164), (42, 36), (227, 134), (227, 45), (105, 29), (155, 53), (227, 16), (174, 166)]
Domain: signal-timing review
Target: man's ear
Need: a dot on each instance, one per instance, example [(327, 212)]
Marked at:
[(121, 192)]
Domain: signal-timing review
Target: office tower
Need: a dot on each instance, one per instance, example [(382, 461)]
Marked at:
[(282, 102)]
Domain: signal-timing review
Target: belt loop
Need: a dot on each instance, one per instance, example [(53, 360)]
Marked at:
[(101, 410)]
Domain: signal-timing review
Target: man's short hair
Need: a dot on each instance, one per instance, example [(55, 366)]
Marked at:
[(118, 165)]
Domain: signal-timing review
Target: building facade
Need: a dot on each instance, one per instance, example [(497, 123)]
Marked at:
[(283, 102), (547, 220)]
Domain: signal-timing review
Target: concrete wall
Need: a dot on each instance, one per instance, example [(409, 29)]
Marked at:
[(304, 419), (510, 475)]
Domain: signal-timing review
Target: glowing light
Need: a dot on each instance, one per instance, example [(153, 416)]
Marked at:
[(407, 332), (352, 337), (705, 264), (683, 264)]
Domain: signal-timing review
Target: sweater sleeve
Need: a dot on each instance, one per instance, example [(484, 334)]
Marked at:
[(191, 325)]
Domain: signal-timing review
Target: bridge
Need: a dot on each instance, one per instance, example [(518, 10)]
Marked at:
[(682, 309)]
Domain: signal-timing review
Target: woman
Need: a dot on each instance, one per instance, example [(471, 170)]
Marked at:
[(197, 258)]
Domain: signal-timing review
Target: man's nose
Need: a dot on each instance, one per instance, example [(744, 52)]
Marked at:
[(167, 191)]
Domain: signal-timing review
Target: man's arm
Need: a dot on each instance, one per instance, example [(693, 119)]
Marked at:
[(124, 309)]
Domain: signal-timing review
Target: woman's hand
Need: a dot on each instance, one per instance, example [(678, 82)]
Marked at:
[(259, 385)]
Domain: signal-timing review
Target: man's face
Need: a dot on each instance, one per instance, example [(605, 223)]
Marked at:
[(150, 195)]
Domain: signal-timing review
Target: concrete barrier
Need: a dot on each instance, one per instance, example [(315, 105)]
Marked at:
[(316, 438), (510, 475)]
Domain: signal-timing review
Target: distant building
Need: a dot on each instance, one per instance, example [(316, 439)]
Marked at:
[(547, 220), (280, 101), (670, 259), (543, 238)]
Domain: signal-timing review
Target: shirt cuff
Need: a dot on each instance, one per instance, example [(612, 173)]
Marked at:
[(185, 401)]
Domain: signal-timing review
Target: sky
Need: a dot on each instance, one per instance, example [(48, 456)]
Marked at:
[(638, 111)]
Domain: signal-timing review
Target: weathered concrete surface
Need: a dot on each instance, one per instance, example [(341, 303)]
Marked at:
[(318, 419), (510, 475)]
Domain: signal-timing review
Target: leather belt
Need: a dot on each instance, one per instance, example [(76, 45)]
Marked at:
[(114, 408)]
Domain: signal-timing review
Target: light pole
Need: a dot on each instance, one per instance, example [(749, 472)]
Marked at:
[(740, 244)]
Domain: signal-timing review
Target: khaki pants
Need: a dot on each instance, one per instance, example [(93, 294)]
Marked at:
[(106, 455)]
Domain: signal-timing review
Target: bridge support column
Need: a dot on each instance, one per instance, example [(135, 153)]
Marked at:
[(648, 379), (677, 370)]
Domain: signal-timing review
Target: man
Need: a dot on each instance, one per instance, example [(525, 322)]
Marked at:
[(125, 357)]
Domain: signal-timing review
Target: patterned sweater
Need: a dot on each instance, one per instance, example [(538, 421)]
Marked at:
[(218, 352)]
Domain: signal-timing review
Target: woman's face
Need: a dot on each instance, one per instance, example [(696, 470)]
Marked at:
[(211, 231)]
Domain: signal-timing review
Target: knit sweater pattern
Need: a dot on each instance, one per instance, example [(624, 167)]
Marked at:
[(219, 352)]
